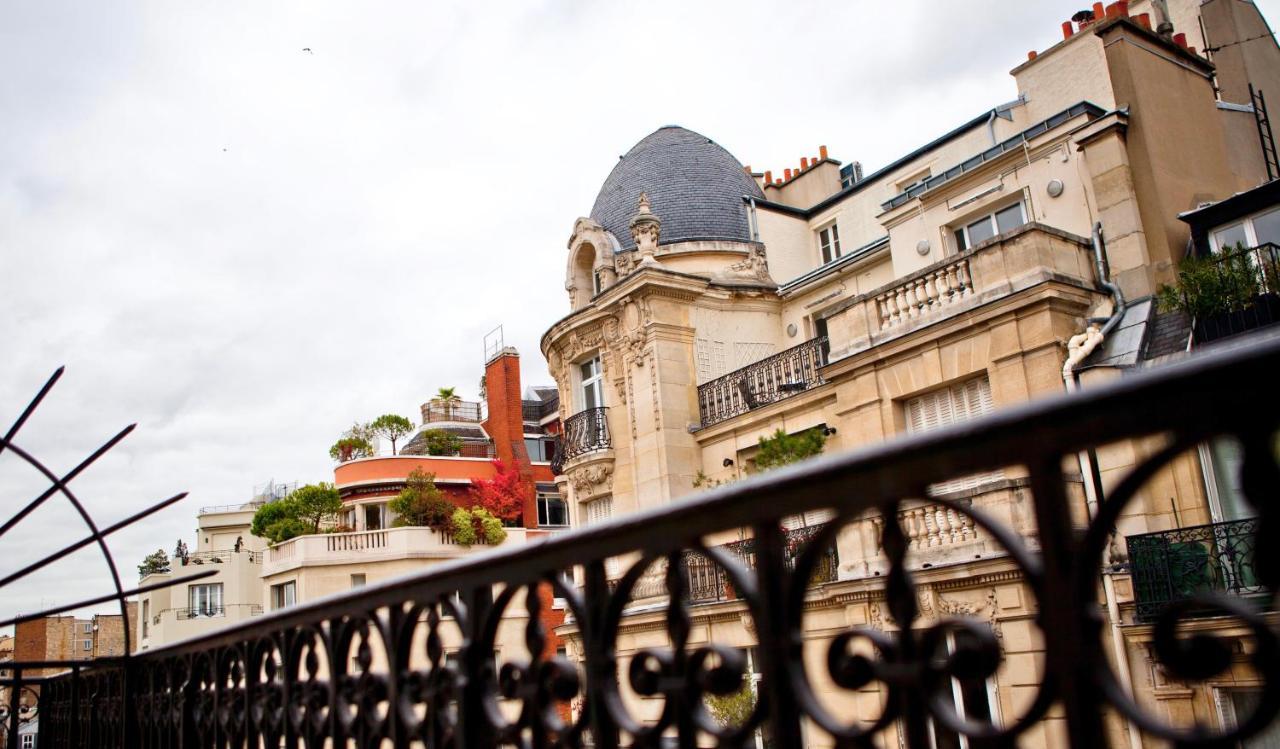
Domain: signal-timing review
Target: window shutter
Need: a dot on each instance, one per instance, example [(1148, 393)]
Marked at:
[(952, 405)]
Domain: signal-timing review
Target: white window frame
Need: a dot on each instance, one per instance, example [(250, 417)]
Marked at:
[(964, 401), (1250, 232), (542, 499), (204, 599), (383, 521), (28, 741), (593, 382), (963, 229), (279, 599), (828, 242)]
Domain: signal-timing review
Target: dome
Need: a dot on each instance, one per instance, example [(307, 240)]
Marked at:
[(695, 187)]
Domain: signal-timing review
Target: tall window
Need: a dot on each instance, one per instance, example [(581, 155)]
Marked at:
[(829, 242), (146, 616), (971, 699), (375, 516), (592, 383), (553, 511), (205, 600), (597, 510), (1258, 229), (952, 405), (1003, 220), (284, 595)]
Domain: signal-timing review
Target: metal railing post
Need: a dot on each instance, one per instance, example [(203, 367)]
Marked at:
[(15, 704)]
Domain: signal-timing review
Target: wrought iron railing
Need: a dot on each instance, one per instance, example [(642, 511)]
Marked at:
[(206, 612), (1175, 565), (585, 432), (767, 381), (1235, 292), (368, 668), (221, 556)]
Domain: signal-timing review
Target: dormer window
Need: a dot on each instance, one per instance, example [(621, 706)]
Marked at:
[(829, 242)]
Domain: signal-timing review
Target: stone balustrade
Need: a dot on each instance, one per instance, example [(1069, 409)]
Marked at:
[(1028, 256)]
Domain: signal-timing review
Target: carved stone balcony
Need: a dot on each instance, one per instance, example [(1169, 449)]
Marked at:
[(1004, 265)]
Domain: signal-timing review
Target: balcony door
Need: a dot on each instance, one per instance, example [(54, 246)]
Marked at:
[(592, 388)]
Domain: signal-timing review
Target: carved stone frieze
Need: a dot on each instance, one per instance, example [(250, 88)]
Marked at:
[(591, 480)]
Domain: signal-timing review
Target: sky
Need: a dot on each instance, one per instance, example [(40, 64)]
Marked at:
[(244, 246)]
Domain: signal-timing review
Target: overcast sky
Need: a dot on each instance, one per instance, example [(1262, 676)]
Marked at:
[(244, 247)]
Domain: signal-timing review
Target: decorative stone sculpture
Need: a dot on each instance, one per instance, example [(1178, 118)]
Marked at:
[(646, 228)]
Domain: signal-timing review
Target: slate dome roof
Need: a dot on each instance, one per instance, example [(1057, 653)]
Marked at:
[(694, 185)]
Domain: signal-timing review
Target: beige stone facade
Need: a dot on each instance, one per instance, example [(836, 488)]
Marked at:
[(942, 287)]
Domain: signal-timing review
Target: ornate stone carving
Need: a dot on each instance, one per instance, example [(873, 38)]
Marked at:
[(646, 229), (592, 480), (754, 267)]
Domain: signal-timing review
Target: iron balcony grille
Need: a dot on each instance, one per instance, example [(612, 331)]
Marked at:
[(206, 612), (368, 668), (218, 557), (1176, 565), (584, 432), (1247, 282), (769, 380)]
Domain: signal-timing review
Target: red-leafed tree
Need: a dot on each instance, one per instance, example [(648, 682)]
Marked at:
[(504, 494)]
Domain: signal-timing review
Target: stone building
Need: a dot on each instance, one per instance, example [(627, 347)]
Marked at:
[(712, 306)]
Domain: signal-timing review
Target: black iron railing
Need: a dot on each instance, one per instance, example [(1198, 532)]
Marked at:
[(221, 556), (368, 668), (767, 381), (205, 612), (1177, 564), (584, 432), (706, 582), (1232, 292)]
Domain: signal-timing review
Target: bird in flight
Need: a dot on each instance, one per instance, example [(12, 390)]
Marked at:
[(307, 50)]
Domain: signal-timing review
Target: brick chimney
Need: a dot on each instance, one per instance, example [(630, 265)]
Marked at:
[(505, 421)]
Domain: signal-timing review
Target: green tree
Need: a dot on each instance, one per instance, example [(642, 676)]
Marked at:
[(782, 449), (302, 512), (154, 563), (732, 709), (477, 525), (449, 397), (440, 442), (356, 442), (1224, 282), (391, 427), (421, 503)]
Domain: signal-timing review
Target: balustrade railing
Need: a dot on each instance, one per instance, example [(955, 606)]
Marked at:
[(368, 668), (924, 294), (932, 525), (221, 556), (767, 381), (1175, 565), (437, 411)]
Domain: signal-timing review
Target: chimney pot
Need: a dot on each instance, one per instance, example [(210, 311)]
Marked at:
[(1098, 12), (1031, 55), (1067, 30), (822, 151), (1143, 20), (804, 163), (786, 174), (768, 177), (1180, 39)]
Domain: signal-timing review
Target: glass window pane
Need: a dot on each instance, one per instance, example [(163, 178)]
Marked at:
[(1266, 227), (981, 230), (1009, 219), (1229, 237), (961, 244)]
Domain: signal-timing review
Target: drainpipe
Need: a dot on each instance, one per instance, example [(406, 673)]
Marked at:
[(755, 224), (991, 126), (1078, 349)]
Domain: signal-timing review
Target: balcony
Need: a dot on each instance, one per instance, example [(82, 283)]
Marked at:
[(585, 432), (210, 612), (1231, 293), (1017, 260), (706, 582), (458, 411), (371, 546), (1175, 565), (221, 556), (767, 381)]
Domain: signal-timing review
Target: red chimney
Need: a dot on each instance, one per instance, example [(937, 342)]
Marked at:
[(1031, 55), (787, 174), (1067, 30), (1143, 20), (1099, 12), (505, 422), (1180, 39), (822, 152), (804, 163), (768, 177)]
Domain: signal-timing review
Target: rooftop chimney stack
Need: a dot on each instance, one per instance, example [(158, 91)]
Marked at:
[(822, 152)]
